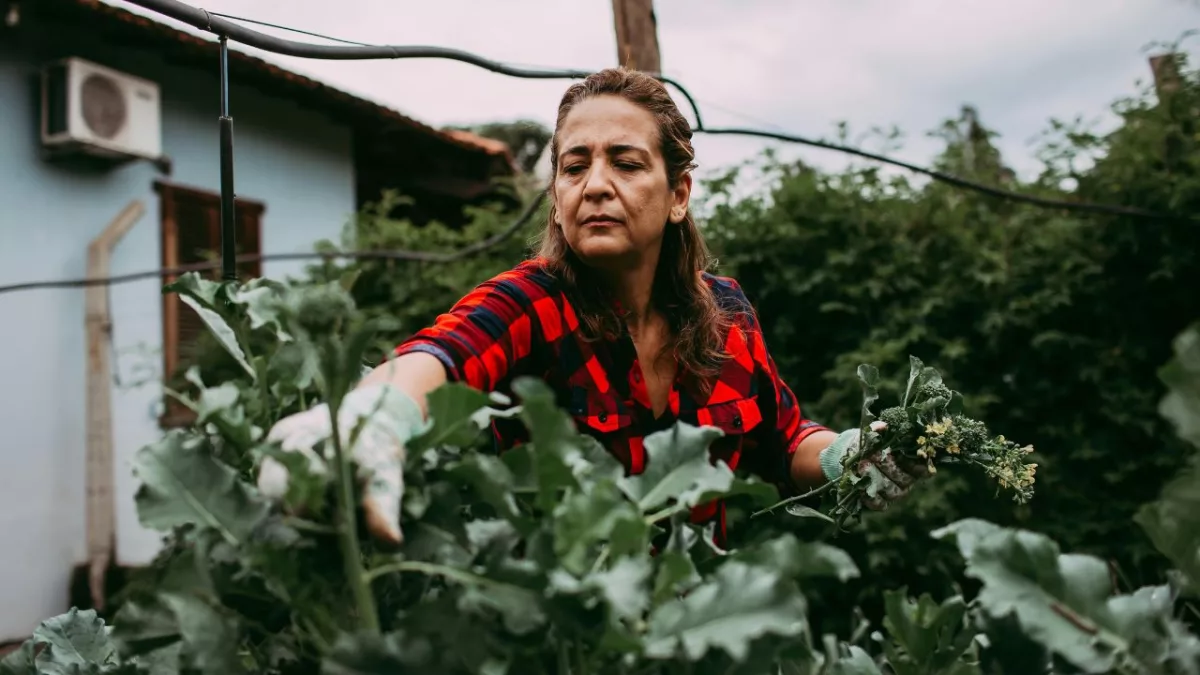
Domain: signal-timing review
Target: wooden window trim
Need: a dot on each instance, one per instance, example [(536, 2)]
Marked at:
[(170, 195)]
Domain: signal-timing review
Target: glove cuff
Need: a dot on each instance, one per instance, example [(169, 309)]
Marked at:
[(398, 407), (831, 457)]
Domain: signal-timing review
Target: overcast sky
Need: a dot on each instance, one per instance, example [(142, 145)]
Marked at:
[(799, 65)]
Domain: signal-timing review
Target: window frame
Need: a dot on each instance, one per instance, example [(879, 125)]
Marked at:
[(172, 197)]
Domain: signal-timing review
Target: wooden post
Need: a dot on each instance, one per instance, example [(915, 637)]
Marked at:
[(637, 35), (101, 524), (1165, 68)]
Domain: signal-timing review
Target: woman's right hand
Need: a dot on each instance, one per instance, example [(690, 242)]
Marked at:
[(375, 421)]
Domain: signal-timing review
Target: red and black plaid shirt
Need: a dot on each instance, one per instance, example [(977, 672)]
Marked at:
[(521, 323)]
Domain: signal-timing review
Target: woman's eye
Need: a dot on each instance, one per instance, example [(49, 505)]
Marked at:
[(627, 166), (573, 169)]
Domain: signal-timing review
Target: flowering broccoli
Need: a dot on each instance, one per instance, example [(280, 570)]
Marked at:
[(934, 389), (897, 420), (934, 435)]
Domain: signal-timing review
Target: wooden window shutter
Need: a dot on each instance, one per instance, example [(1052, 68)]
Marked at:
[(191, 234)]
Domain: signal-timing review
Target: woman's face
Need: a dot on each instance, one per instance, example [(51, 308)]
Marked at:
[(611, 192)]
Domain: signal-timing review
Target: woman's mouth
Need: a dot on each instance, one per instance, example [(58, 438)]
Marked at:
[(601, 221)]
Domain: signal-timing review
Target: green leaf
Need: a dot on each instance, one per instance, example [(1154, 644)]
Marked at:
[(209, 636), (557, 444), (801, 560), (452, 409), (738, 604), (365, 654), (494, 483), (868, 377), (855, 662), (183, 484), (1181, 405), (1065, 602), (193, 285), (584, 519), (221, 330), (520, 609), (20, 661), (678, 468), (623, 587), (802, 511), (915, 368), (676, 570), (182, 627), (1172, 524), (262, 300), (74, 642), (929, 637)]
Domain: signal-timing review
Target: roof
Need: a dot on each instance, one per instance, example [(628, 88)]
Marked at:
[(243, 65)]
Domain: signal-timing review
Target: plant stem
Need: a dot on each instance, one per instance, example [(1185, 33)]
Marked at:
[(348, 531), (309, 526), (600, 559), (437, 570), (811, 493), (664, 513), (564, 663)]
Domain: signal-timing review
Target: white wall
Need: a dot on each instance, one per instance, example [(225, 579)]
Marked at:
[(298, 162)]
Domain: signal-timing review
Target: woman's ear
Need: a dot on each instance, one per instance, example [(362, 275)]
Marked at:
[(680, 198)]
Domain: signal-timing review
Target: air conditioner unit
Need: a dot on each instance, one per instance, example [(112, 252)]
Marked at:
[(99, 111)]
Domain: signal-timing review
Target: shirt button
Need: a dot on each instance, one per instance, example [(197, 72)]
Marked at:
[(737, 421), (603, 417)]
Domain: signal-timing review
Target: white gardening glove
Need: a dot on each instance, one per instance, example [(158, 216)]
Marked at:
[(889, 480), (388, 419)]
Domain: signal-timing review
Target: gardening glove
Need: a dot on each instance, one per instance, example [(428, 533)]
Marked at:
[(375, 422), (889, 479)]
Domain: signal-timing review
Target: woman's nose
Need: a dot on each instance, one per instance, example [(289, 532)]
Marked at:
[(599, 180)]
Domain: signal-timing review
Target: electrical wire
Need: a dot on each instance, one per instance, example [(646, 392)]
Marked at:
[(396, 254), (222, 25)]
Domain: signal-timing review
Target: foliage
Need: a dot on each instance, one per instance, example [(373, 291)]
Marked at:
[(526, 138), (1057, 323), (1054, 321), (547, 558)]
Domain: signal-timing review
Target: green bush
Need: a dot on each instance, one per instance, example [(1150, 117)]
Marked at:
[(1054, 321)]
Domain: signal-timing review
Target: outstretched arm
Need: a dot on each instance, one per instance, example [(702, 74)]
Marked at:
[(486, 337)]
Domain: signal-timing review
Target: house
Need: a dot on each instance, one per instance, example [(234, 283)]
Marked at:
[(306, 157)]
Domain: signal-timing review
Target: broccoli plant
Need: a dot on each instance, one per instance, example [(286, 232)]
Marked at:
[(926, 429), (547, 558)]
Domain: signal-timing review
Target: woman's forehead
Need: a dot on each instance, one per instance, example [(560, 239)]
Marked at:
[(604, 123)]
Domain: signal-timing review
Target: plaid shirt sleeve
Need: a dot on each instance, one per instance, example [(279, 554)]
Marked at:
[(487, 336), (784, 424)]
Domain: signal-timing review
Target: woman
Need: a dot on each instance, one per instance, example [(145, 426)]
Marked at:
[(617, 313)]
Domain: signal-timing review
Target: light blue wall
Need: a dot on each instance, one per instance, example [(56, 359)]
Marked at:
[(297, 161)]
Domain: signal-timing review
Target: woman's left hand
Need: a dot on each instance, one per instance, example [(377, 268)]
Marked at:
[(890, 477)]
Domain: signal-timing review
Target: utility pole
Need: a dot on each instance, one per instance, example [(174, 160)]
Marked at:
[(637, 35)]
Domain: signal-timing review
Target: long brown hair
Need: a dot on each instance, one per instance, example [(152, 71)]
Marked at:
[(698, 324)]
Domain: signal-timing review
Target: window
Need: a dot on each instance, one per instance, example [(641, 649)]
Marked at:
[(191, 233)]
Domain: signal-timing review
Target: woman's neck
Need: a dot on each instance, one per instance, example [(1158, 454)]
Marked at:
[(633, 288)]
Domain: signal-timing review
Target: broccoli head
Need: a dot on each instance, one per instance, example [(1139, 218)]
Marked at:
[(931, 390), (972, 434), (320, 309), (897, 420)]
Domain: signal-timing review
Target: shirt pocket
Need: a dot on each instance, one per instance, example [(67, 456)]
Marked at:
[(598, 413), (735, 418)]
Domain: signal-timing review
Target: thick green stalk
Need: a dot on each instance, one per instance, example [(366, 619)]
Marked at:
[(348, 531)]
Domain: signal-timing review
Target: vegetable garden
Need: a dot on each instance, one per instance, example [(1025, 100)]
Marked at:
[(1078, 335)]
